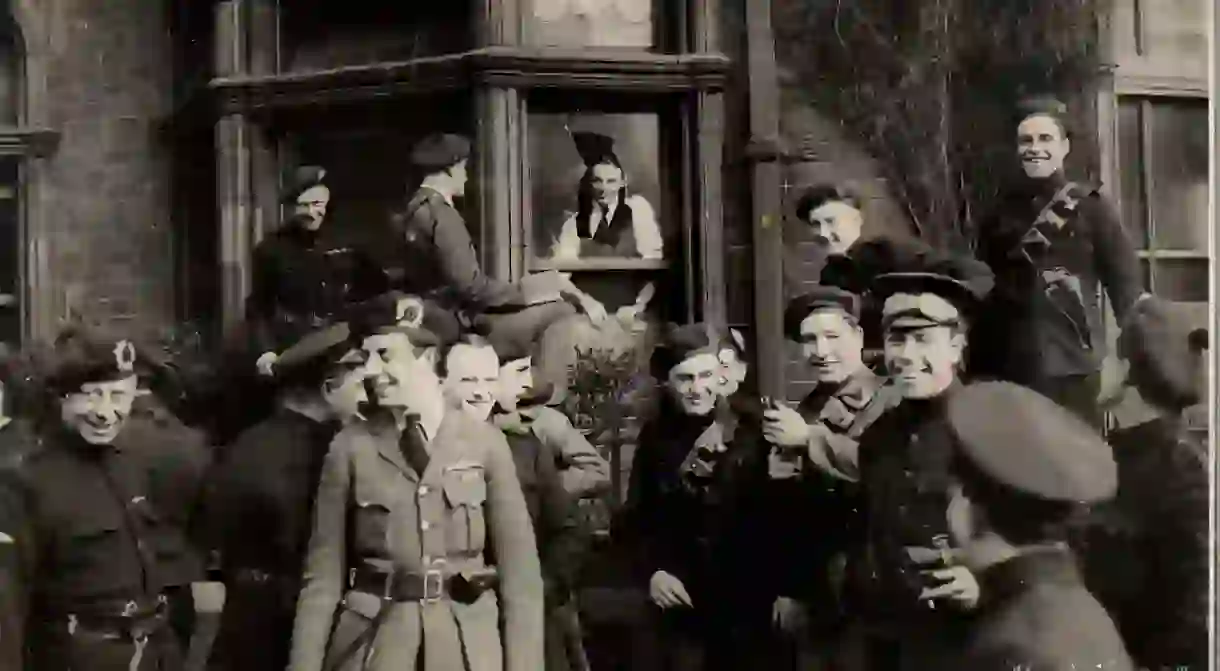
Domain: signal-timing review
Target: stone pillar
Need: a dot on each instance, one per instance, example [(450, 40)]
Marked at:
[(766, 151), (499, 152), (246, 165), (709, 111)]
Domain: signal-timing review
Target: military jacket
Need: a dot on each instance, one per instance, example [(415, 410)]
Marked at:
[(905, 461), (438, 257), (691, 506), (1037, 616), (843, 413), (302, 279), (374, 511), (1147, 557), (1043, 319), (82, 535)]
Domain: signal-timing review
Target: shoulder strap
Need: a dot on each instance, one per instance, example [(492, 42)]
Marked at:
[(1060, 211)]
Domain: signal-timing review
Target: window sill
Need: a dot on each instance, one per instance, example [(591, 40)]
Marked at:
[(598, 264), (35, 142), (1172, 254)]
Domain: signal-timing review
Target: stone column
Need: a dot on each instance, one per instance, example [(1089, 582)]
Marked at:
[(499, 152), (246, 169), (765, 150), (709, 110)]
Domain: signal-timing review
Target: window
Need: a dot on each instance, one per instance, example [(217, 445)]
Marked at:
[(1163, 164), (1161, 39), (592, 23), (324, 35)]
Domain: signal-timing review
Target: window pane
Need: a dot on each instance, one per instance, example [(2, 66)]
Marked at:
[(1130, 170), (590, 23), (1188, 317), (606, 203), (1177, 32), (10, 257), (322, 35), (1180, 153), (1183, 280)]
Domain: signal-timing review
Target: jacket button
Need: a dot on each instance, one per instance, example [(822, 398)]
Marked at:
[(425, 525), (423, 490)]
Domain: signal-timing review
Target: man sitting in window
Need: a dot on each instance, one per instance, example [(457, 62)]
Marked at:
[(608, 221)]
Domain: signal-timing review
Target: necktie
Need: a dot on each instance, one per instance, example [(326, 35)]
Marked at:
[(413, 446)]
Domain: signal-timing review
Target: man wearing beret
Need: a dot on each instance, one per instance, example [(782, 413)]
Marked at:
[(438, 259), (927, 300), (302, 274), (692, 509), (1147, 557), (258, 510), (833, 215), (422, 555), (1050, 244), (471, 368), (1022, 468), (88, 547)]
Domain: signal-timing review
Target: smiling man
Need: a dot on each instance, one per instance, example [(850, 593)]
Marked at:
[(89, 550), (928, 300), (1050, 245)]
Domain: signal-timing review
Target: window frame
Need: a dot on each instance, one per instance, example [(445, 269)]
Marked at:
[(1131, 76)]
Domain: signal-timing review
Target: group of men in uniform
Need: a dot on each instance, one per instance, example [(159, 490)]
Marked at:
[(406, 497)]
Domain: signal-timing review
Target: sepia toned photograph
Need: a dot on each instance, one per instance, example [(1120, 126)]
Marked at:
[(607, 335)]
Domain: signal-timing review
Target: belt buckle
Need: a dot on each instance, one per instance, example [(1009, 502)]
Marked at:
[(434, 586)]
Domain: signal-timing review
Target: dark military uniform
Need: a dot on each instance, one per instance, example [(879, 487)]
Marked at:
[(1028, 465), (905, 458), (259, 510), (702, 531), (90, 548), (1042, 325), (1147, 557), (301, 280)]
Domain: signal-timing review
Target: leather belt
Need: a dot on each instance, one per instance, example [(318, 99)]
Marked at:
[(426, 587), (134, 619)]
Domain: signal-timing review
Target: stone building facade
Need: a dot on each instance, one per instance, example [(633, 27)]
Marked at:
[(142, 143)]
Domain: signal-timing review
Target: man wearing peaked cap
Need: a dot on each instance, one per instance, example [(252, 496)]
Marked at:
[(927, 300), (695, 507), (257, 512), (85, 599), (1052, 243), (1148, 563), (1024, 466), (435, 258), (609, 221)]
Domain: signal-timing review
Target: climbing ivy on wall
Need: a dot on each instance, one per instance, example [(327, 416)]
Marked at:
[(927, 89)]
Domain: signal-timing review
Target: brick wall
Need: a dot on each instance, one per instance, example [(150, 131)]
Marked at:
[(106, 220)]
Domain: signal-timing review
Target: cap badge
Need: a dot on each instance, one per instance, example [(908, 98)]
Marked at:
[(409, 312), (125, 356)]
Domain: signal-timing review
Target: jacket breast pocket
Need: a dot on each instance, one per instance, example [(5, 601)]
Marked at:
[(371, 527), (90, 537), (466, 492)]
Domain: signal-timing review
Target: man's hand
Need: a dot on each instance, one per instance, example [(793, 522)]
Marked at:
[(266, 363), (667, 591), (784, 427), (958, 586), (789, 615), (594, 309)]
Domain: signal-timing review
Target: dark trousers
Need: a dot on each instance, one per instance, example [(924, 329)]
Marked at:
[(681, 640), (1077, 393)]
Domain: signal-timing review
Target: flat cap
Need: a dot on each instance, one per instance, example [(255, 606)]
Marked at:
[(80, 355), (1164, 366), (1029, 445), (593, 147), (440, 151), (820, 194), (818, 298), (425, 322), (1041, 105), (679, 343), (301, 180)]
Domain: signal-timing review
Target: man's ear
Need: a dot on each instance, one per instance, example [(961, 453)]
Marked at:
[(1067, 146)]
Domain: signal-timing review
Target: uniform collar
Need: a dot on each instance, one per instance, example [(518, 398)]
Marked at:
[(448, 200)]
